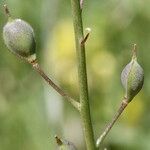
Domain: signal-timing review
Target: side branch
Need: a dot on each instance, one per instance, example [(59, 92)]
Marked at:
[(37, 68), (110, 125)]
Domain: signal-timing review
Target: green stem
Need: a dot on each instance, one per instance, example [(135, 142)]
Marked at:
[(83, 87), (110, 125), (37, 68)]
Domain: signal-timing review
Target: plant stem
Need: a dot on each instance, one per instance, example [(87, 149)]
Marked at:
[(110, 125), (82, 75), (36, 67)]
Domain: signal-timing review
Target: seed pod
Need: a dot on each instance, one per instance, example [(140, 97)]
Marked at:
[(132, 77), (19, 38)]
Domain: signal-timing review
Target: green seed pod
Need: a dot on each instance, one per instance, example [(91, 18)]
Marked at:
[(132, 78), (19, 38)]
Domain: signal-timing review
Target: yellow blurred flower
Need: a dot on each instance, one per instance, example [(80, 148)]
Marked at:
[(61, 56)]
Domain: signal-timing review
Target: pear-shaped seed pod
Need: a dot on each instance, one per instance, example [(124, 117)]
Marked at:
[(132, 78), (19, 38)]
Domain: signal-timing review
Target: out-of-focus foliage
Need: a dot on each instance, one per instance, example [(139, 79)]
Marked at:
[(31, 113)]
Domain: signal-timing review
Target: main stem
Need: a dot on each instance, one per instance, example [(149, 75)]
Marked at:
[(83, 87)]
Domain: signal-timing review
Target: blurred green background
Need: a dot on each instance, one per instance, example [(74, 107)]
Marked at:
[(32, 113)]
